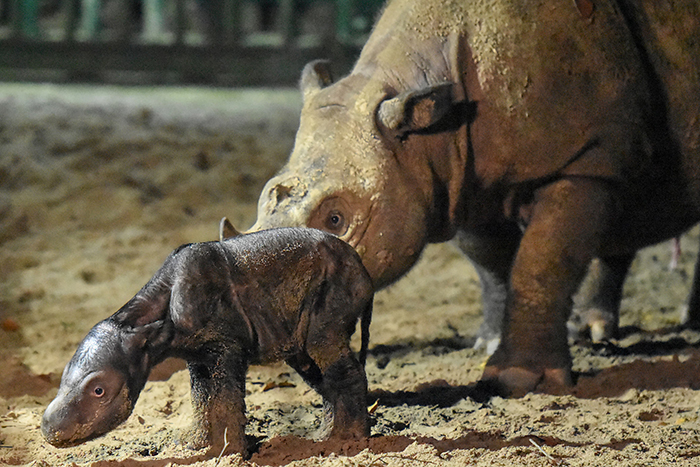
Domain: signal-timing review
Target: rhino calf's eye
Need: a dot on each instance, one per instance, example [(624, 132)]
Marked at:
[(99, 392)]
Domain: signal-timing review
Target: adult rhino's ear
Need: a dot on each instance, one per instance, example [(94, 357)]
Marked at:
[(416, 110), (316, 76)]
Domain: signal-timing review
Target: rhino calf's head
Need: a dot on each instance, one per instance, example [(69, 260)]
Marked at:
[(98, 390)]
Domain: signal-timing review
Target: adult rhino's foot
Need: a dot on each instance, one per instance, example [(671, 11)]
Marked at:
[(518, 381), (595, 323), (690, 317), (487, 345)]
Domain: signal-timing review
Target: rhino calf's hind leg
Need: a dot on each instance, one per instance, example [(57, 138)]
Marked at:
[(311, 374), (597, 304), (338, 377), (344, 391), (343, 386)]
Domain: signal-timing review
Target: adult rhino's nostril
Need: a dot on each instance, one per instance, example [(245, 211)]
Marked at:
[(282, 192), (287, 188)]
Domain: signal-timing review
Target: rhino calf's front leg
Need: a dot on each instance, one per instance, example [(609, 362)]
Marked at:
[(218, 401)]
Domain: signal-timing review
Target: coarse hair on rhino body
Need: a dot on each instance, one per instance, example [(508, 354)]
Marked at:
[(538, 134), (290, 294)]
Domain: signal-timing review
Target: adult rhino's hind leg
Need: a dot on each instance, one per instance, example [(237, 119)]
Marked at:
[(562, 236), (491, 252), (597, 303), (691, 316)]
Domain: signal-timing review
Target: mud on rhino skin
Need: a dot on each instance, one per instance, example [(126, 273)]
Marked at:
[(541, 136), (291, 294)]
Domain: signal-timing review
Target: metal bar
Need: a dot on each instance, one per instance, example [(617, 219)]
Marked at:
[(344, 15), (15, 18), (180, 22), (89, 19), (153, 30), (71, 25), (233, 22), (287, 21), (29, 17), (217, 22)]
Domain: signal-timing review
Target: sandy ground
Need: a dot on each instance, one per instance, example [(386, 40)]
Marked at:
[(98, 185)]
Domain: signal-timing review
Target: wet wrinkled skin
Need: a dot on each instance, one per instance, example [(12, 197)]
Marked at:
[(94, 396), (285, 294), (538, 134)]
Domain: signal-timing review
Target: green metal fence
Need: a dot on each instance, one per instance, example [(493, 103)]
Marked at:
[(218, 42)]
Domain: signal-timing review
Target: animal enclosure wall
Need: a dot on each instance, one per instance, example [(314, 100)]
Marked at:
[(216, 42)]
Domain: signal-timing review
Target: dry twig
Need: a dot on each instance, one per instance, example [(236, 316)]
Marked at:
[(400, 457), (218, 459), (554, 461)]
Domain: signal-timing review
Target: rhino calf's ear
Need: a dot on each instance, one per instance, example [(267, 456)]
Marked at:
[(316, 76), (416, 110), (227, 230)]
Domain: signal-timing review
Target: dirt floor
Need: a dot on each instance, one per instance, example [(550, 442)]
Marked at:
[(98, 185)]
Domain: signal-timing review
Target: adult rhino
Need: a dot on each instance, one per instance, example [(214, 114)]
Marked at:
[(539, 133)]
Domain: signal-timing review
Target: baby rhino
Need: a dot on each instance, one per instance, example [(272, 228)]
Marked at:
[(289, 294)]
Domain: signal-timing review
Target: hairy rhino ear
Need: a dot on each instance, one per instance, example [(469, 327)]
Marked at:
[(227, 230), (152, 335), (316, 76), (416, 110)]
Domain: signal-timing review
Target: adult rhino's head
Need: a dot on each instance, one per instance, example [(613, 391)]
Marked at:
[(349, 173)]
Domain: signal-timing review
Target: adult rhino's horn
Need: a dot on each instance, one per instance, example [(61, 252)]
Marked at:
[(227, 230), (416, 110), (316, 75)]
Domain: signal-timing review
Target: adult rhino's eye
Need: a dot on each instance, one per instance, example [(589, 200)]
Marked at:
[(333, 215), (335, 221), (98, 391)]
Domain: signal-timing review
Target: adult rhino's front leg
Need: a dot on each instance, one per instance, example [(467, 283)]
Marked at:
[(565, 226), (596, 304)]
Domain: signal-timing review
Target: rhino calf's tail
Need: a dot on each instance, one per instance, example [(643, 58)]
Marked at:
[(365, 321)]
